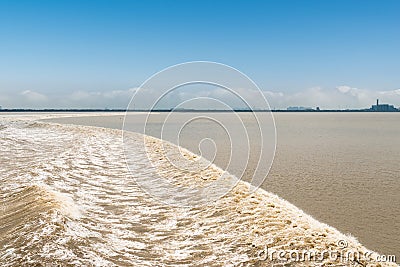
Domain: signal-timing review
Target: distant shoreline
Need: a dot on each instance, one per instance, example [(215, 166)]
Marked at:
[(187, 110)]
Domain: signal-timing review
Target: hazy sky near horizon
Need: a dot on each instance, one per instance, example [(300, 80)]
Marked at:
[(91, 54)]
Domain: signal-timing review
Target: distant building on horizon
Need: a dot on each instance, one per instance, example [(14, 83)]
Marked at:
[(383, 107), (299, 108)]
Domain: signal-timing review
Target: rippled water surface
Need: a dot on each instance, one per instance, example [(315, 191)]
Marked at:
[(342, 168), (68, 199)]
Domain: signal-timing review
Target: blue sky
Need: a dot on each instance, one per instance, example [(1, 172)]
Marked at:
[(51, 51)]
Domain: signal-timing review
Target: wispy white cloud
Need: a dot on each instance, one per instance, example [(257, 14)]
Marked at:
[(32, 96), (96, 99), (395, 93), (74, 99), (340, 97)]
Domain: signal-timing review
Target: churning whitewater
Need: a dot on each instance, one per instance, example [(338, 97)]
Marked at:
[(68, 199)]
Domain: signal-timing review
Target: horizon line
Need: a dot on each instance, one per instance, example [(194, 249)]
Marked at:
[(187, 110)]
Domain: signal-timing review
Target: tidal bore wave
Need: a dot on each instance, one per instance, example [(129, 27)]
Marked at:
[(68, 199)]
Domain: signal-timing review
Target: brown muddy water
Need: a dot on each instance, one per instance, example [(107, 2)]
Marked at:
[(341, 168), (69, 199)]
